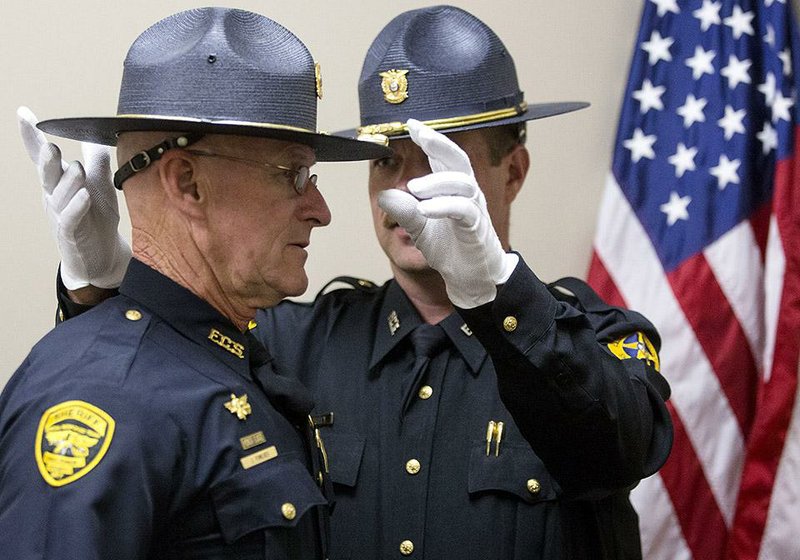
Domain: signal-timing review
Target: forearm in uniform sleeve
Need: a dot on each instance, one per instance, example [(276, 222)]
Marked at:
[(67, 308), (598, 421)]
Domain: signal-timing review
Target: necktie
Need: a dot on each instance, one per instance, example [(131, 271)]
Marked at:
[(427, 341)]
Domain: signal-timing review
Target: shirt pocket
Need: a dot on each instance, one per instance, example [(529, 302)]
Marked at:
[(276, 494), (345, 451), (514, 470)]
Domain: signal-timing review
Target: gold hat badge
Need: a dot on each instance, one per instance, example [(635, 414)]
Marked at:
[(318, 77), (394, 84)]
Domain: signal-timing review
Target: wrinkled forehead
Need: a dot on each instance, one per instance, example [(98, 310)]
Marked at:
[(268, 149)]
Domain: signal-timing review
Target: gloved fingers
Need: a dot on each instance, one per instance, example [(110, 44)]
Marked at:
[(71, 183), (444, 183), (453, 207), (32, 137), (443, 154), (50, 166), (402, 207), (97, 160), (73, 212)]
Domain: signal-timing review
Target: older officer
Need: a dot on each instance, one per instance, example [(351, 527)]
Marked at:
[(153, 426), (517, 433)]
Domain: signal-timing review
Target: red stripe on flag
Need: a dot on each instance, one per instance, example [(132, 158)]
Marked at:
[(695, 507), (599, 279), (759, 221), (776, 398), (720, 335)]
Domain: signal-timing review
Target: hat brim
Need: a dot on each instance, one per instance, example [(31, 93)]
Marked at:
[(105, 130), (535, 111)]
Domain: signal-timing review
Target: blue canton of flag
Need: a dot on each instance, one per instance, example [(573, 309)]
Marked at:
[(704, 114)]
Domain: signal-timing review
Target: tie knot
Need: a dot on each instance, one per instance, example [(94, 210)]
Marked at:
[(428, 340)]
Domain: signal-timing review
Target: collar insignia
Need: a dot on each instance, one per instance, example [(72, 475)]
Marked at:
[(239, 406), (394, 85), (226, 342), (466, 330), (394, 322), (71, 440)]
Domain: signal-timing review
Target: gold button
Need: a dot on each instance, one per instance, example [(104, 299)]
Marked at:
[(425, 392), (406, 548), (413, 466), (510, 323), (288, 511), (533, 486), (133, 315)]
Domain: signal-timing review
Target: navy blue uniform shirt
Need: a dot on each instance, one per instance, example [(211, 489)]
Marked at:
[(419, 468), (150, 427)]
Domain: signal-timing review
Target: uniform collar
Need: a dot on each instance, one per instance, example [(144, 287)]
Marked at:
[(398, 317), (191, 316)]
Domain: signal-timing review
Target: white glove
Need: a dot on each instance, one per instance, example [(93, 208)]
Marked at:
[(448, 221), (81, 207)]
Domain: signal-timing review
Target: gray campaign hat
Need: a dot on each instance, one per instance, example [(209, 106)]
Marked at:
[(218, 71), (444, 67)]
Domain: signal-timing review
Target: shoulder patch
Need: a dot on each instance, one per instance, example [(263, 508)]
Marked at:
[(71, 440), (635, 345)]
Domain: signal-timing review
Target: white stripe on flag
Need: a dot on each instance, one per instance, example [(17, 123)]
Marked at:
[(773, 289), (662, 541)]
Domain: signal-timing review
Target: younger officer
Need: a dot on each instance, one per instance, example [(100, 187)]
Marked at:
[(153, 426), (477, 412)]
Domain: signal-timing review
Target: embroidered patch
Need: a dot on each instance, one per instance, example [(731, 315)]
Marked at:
[(636, 345), (71, 440)]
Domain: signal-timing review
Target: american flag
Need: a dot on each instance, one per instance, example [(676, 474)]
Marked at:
[(699, 229)]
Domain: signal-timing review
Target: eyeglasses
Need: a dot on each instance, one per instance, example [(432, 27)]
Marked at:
[(301, 176)]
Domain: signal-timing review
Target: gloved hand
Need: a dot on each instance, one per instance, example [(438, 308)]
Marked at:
[(81, 207), (446, 216)]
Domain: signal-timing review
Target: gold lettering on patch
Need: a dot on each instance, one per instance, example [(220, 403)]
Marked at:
[(259, 457), (226, 342), (252, 440)]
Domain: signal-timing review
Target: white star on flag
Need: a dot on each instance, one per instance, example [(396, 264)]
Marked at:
[(780, 107), (768, 137), (732, 122), (769, 36), (737, 71), (640, 145), (649, 97), (692, 110), (708, 14), (676, 208), (683, 159), (726, 171), (786, 58), (700, 63), (768, 88), (739, 22), (658, 48), (665, 6)]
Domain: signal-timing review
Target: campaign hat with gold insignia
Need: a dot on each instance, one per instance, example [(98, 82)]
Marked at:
[(218, 71), (444, 67)]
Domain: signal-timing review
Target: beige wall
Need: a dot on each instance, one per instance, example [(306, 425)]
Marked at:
[(65, 59)]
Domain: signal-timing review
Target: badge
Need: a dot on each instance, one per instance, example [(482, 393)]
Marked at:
[(239, 406), (394, 85), (71, 440), (638, 346), (318, 78)]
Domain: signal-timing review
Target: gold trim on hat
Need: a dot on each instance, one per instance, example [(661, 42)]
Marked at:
[(208, 121), (391, 128)]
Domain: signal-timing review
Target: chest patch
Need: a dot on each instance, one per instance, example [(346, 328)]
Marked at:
[(72, 439)]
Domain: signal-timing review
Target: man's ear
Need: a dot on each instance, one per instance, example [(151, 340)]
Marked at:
[(179, 174), (518, 161)]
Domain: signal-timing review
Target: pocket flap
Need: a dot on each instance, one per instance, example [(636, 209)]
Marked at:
[(516, 470), (345, 451), (257, 498)]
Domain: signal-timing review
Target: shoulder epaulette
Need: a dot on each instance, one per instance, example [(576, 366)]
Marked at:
[(354, 283)]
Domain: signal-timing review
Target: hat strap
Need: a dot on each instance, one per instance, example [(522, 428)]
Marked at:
[(143, 159)]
